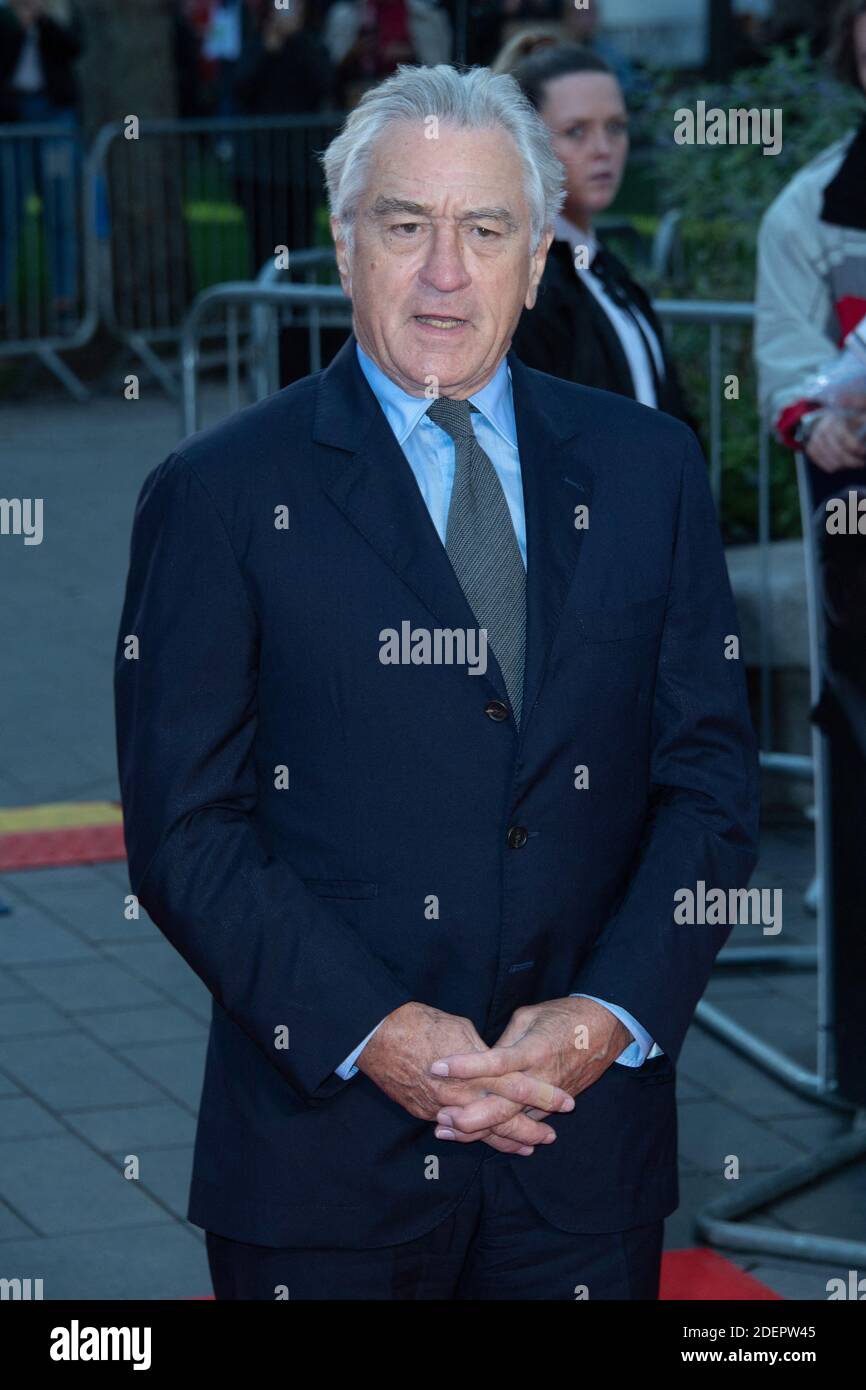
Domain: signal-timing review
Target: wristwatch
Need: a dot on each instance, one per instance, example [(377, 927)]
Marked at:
[(805, 426)]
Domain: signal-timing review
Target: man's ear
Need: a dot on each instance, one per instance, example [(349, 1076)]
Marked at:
[(343, 263), (537, 264)]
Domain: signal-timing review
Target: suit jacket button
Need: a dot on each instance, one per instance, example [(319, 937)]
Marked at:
[(517, 837), (497, 710)]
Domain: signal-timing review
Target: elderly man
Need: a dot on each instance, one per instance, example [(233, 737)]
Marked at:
[(426, 711)]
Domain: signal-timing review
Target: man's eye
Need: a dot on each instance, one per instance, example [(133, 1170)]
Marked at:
[(618, 127), (488, 232), (403, 226)]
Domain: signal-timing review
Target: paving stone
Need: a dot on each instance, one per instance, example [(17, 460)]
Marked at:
[(12, 792), (135, 1128), (22, 1118), (797, 985), (49, 770), (709, 1062), (94, 913), (711, 1130), (729, 983), (11, 1228), (24, 1018), (90, 985), (697, 1190), (125, 1027), (117, 872), (56, 880), (160, 964), (177, 1066), (790, 1027), (29, 936), (60, 1185), (68, 1071), (165, 1173), (833, 1206), (811, 1132), (165, 1260), (688, 1090), (11, 987)]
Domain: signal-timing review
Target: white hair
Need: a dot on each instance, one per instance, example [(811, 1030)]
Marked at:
[(476, 99)]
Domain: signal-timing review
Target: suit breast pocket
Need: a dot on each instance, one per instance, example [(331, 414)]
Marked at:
[(623, 623)]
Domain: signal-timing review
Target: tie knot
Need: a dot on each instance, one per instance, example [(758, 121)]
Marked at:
[(453, 416)]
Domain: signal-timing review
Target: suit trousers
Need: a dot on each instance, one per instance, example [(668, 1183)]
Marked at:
[(494, 1245)]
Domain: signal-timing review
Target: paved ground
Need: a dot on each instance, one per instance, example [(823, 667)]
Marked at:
[(103, 1026)]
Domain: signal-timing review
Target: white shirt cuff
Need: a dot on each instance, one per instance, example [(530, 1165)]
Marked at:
[(347, 1069), (636, 1053)]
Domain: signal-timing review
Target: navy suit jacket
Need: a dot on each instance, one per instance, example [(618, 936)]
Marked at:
[(306, 907)]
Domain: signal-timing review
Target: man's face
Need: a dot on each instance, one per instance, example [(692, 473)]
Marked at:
[(441, 269), (586, 113)]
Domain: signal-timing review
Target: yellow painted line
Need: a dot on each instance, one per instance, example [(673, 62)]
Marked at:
[(58, 815)]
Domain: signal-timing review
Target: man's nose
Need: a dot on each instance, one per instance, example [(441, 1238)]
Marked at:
[(444, 266)]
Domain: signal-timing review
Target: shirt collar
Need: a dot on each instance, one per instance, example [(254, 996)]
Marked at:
[(404, 412), (575, 236)]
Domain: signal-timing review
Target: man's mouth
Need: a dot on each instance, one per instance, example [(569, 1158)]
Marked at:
[(436, 321)]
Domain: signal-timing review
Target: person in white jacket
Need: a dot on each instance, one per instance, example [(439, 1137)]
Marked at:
[(811, 286)]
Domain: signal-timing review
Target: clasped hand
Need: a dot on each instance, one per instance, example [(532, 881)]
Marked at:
[(438, 1068)]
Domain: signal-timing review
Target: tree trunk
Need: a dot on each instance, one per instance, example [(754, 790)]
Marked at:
[(128, 70)]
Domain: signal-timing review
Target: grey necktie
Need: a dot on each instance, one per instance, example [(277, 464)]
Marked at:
[(482, 547)]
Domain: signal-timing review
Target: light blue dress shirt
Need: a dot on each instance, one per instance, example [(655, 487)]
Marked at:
[(431, 455)]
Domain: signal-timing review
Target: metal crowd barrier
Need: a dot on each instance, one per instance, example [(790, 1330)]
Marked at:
[(48, 270), (721, 1221), (327, 302), (131, 231), (194, 203)]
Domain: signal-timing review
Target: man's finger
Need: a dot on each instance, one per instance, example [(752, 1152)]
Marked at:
[(532, 1091), (489, 1113), (466, 1066), (508, 1146), (519, 1130), (527, 1131)]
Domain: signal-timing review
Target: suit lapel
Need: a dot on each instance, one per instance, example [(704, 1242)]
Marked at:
[(374, 487), (612, 372), (557, 478)]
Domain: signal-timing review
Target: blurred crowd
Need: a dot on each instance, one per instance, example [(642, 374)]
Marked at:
[(243, 57), (248, 57)]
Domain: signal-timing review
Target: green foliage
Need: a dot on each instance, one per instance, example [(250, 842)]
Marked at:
[(722, 191)]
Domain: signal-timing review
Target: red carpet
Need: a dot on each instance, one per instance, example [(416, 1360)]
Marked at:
[(701, 1274)]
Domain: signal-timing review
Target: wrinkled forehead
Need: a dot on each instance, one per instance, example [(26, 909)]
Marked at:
[(456, 172)]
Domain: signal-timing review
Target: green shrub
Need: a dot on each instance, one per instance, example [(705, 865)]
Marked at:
[(722, 191)]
